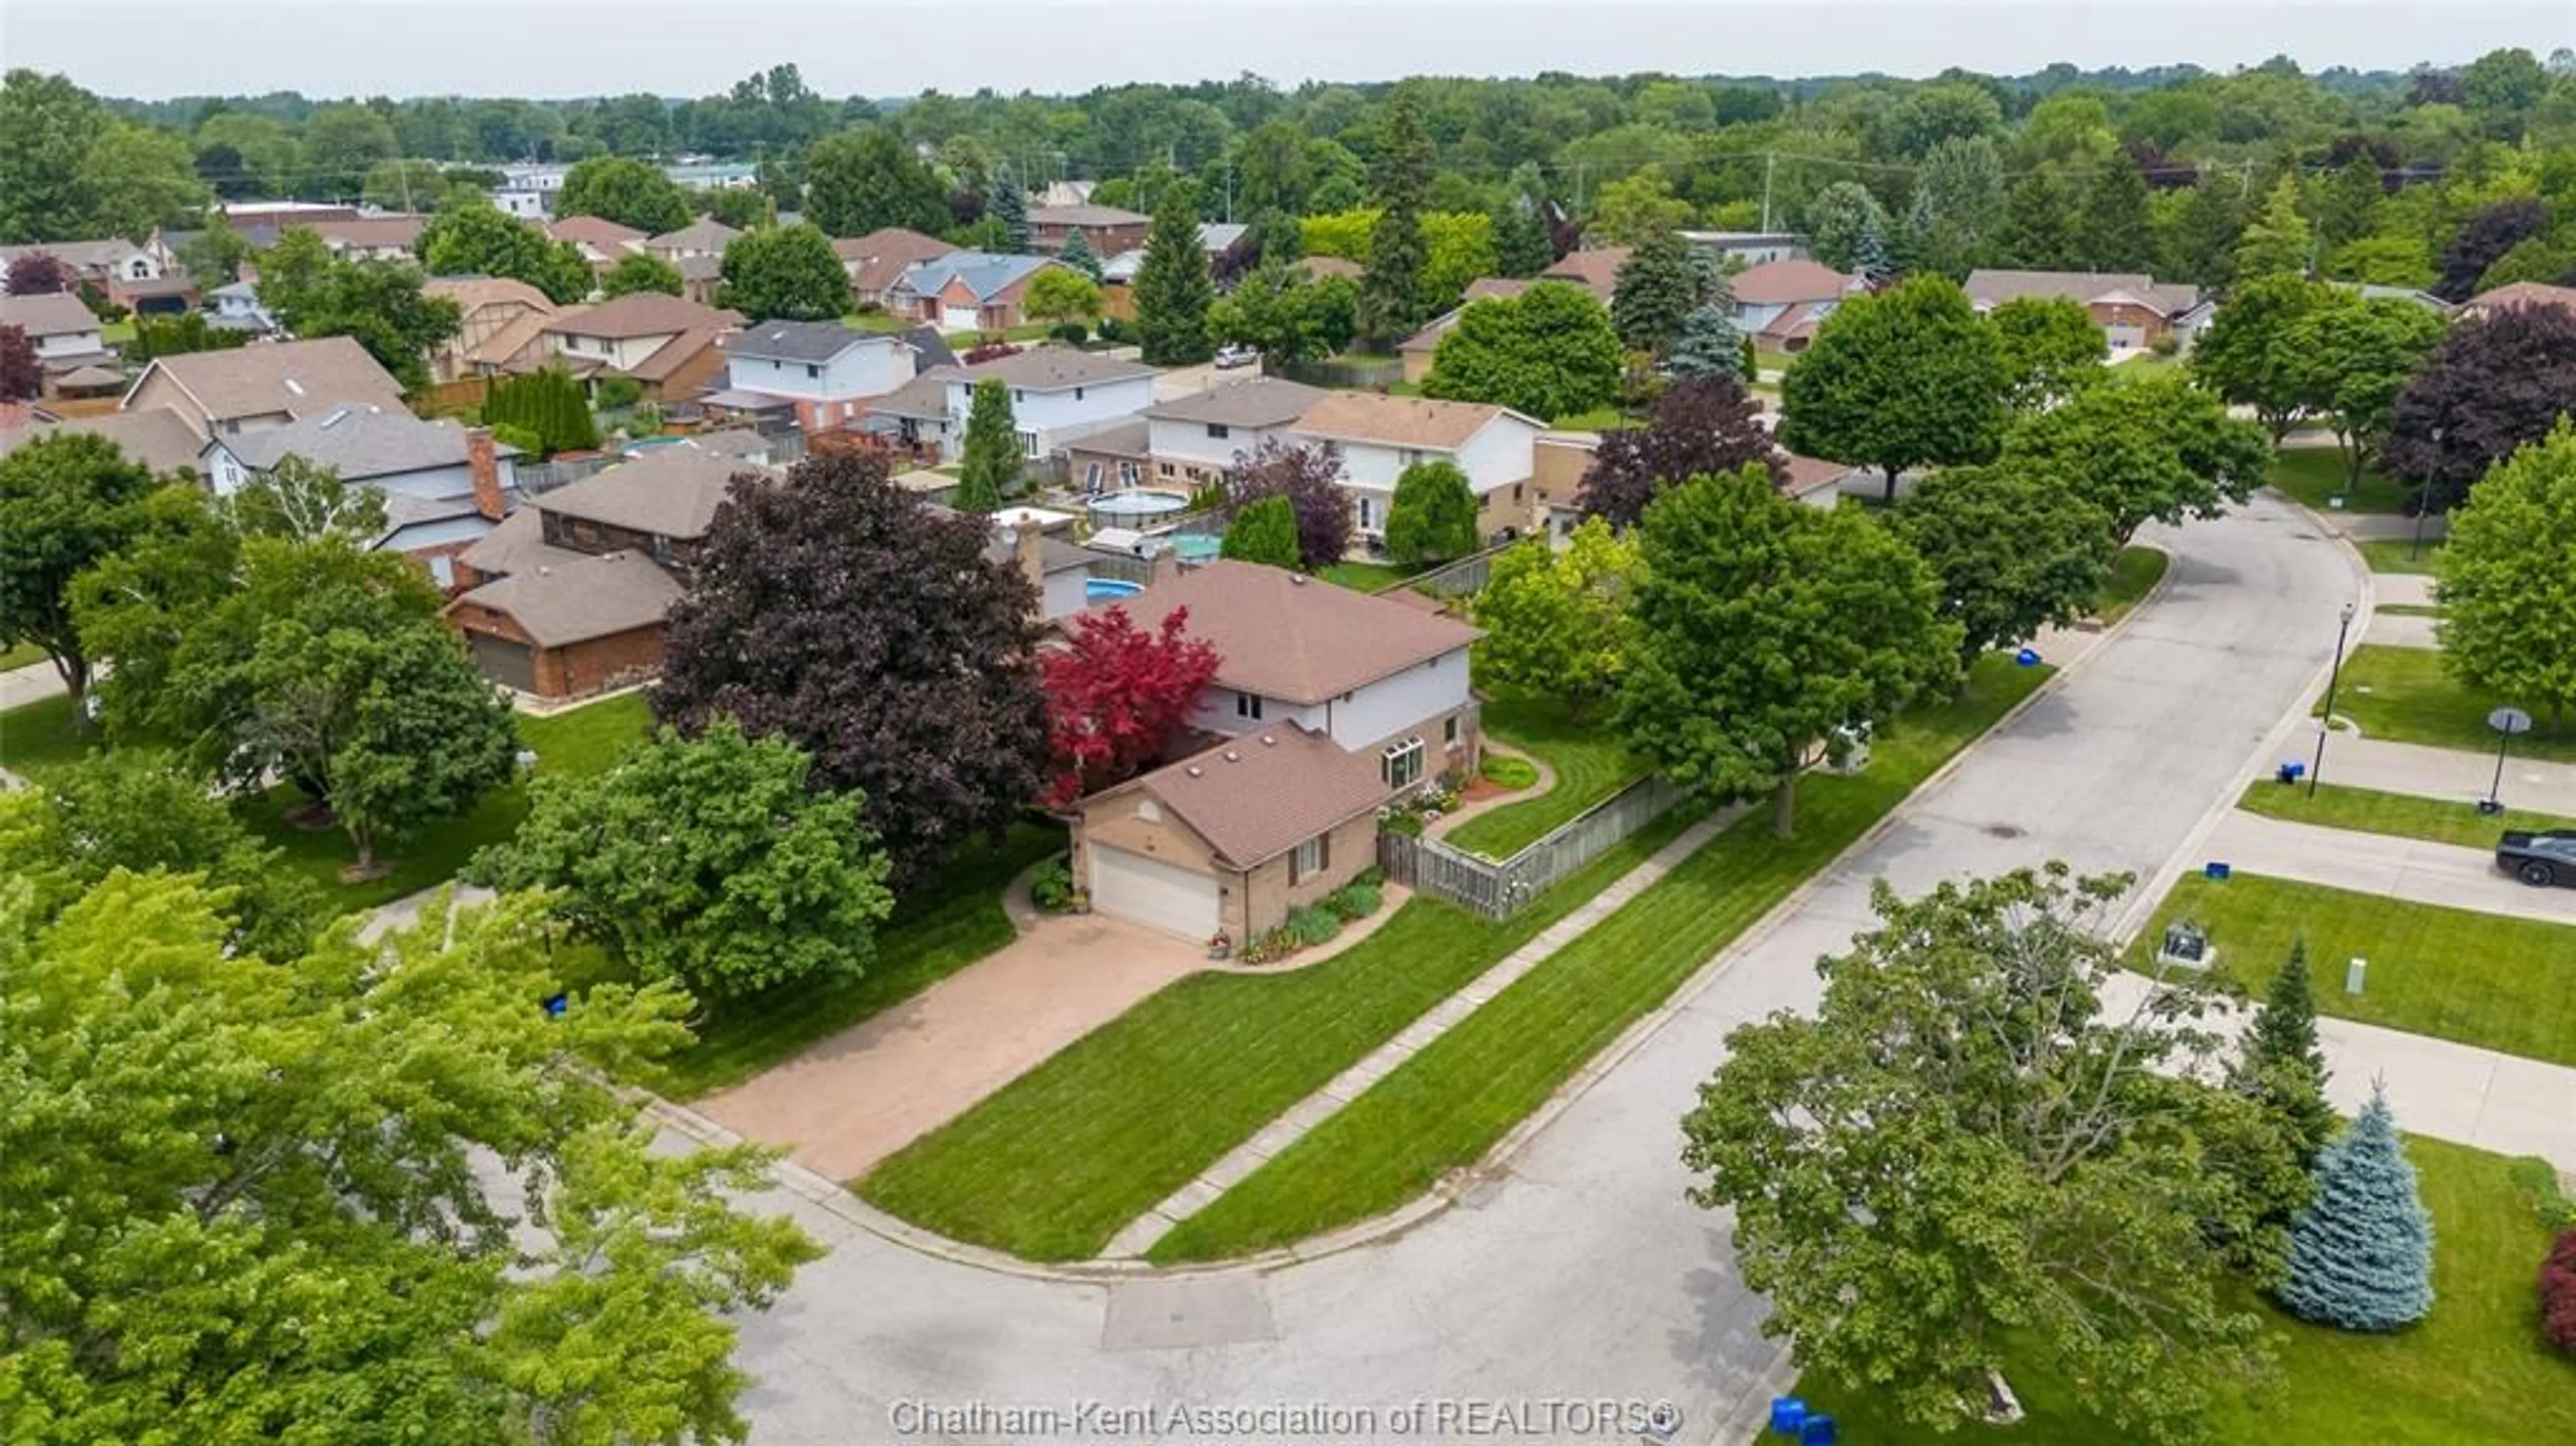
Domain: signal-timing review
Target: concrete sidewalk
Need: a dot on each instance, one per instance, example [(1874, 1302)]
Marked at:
[(2375, 863), (2402, 630), (2448, 773), (2402, 589), (2455, 1092), (31, 684)]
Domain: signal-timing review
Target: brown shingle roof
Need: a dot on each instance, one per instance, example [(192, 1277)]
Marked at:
[(579, 597), (1267, 402), (2525, 293), (1084, 216), (1255, 797), (599, 232), (876, 259), (1777, 283), (296, 377), (669, 491), (516, 545), (158, 438), (58, 313), (1291, 637), (644, 313), (1990, 287), (1417, 422), (704, 234), (1803, 475), (472, 293), (373, 232), (1596, 269)]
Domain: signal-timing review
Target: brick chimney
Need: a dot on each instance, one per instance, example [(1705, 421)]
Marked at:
[(1164, 566), (1030, 545), (485, 468)]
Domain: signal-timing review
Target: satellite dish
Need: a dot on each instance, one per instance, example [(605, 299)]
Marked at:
[(2509, 721)]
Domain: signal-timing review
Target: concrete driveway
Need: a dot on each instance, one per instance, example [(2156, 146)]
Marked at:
[(2376, 863), (864, 1093), (1579, 1270)]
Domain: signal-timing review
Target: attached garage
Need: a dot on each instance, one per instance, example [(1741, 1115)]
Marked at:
[(1148, 891), (506, 662)]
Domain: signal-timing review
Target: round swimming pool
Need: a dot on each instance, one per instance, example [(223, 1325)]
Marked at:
[(1118, 508), (1109, 589)]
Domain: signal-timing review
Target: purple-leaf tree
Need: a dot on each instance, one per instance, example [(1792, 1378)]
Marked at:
[(1698, 428), (1310, 478), (2492, 385)]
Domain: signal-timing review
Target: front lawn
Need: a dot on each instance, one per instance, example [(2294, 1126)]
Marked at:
[(2485, 979), (2404, 695), (1366, 576), (2405, 815), (2315, 474), (2392, 554), (2476, 1370), (22, 655), (1591, 762), (42, 735), (2134, 574), (1445, 1108), (933, 933), (1598, 419), (1056, 1163)]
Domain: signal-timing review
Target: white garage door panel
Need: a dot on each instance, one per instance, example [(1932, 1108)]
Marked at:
[(1148, 891)]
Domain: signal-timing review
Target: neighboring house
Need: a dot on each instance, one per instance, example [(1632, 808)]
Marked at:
[(1598, 270), (1195, 439), (701, 277), (1225, 242), (159, 439), (1558, 461), (501, 317), (1820, 483), (1057, 394), (1378, 437), (237, 308), (373, 238), (171, 294), (914, 418), (705, 236), (62, 330), (878, 260), (252, 388), (1112, 458), (669, 344), (2519, 294), (1419, 349), (966, 290), (2132, 308), (1331, 702), (1765, 294), (445, 487), (99, 262), (525, 202), (602, 243), (822, 371), (2373, 291), (1060, 571), (1749, 248), (1107, 230), (1316, 268), (567, 597)]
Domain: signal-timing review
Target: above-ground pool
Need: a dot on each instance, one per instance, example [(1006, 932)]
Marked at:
[(1109, 589), (1190, 547), (1115, 508)]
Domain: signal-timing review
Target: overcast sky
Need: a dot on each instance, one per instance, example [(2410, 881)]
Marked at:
[(597, 47)]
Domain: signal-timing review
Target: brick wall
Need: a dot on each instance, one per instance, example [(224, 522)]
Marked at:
[(1263, 896)]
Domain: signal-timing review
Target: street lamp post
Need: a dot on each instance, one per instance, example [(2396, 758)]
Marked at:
[(2325, 725)]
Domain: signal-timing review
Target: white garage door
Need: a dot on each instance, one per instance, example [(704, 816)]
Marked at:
[(1146, 891), (2126, 338)]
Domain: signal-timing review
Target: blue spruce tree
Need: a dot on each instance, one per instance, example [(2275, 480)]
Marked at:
[(2361, 1254), (1869, 253), (1709, 345)]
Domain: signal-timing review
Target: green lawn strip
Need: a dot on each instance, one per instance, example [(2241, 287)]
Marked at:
[(2405, 815), (933, 933), (2476, 1370), (2392, 554), (1366, 576), (2407, 610), (2147, 368), (1057, 1162), (2314, 474), (22, 655), (2134, 574), (1598, 419), (1591, 761), (2403, 695), (2499, 983), (42, 735), (1446, 1107)]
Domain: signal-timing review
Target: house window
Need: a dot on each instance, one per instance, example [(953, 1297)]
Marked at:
[(1368, 514), (1310, 858), (812, 370), (1090, 476), (1248, 705), (1216, 429), (1449, 730), (1077, 394), (1129, 474), (1164, 469), (1029, 444), (1401, 764), (1408, 457)]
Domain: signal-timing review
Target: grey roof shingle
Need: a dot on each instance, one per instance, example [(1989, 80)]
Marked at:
[(1992, 287), (669, 492), (1048, 369), (157, 437), (1267, 402), (359, 441), (800, 341), (1258, 795), (58, 313), (984, 273), (580, 597), (298, 378)]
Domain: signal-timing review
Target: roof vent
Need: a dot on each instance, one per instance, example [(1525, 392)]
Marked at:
[(1197, 772), (1297, 578), (1268, 741), (1233, 757), (295, 386), (338, 415)]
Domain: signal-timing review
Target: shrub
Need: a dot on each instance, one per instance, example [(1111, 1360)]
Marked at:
[(646, 421), (2166, 345), (1312, 925), (1401, 820), (1372, 877), (2558, 1293), (1353, 902), (988, 351), (1504, 771), (1269, 948), (1051, 887), (2535, 1180), (1072, 333), (1112, 329), (519, 437), (618, 393)]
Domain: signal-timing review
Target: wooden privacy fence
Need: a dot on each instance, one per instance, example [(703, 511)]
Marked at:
[(1499, 890), (1462, 578)]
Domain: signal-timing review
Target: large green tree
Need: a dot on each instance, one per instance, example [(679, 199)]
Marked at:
[(1548, 352), (1009, 205), (990, 468), (2361, 1254), (2050, 348), (2249, 353), (138, 179), (1173, 287), (47, 126), (2278, 241), (1396, 296), (785, 273), (2355, 357), (379, 304), (1903, 379), (1710, 344), (2015, 548), (295, 1213), (469, 236), (636, 272), (2040, 227), (2280, 1064), (624, 190), (1657, 290), (864, 180), (1061, 295), (1837, 217), (67, 502), (2156, 451), (2112, 232), (708, 860), (1766, 631), (2508, 588), (1556, 620), (1962, 1156), (1286, 317), (1433, 515), (1263, 531)]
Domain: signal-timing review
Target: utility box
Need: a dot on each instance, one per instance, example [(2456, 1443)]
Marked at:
[(2354, 973)]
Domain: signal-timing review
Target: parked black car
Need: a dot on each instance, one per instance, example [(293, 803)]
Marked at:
[(2539, 859)]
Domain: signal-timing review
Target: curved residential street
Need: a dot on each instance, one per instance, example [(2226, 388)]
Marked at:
[(1581, 1272)]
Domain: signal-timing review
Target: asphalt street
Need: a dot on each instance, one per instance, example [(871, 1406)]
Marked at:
[(1579, 1271)]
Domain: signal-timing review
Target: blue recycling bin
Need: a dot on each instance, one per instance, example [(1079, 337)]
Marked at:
[(2027, 657), (1788, 1415), (2215, 871), (1819, 1430), (556, 1004), (2292, 771)]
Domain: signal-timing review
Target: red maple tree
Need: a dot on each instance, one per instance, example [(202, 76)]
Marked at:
[(1116, 697)]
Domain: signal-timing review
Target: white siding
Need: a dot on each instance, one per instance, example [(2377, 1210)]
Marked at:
[(1371, 464), (621, 353), (1499, 455), (1066, 593), (1047, 413), (1217, 713), (223, 470), (69, 343), (1394, 704), (870, 370), (438, 534), (1188, 443)]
